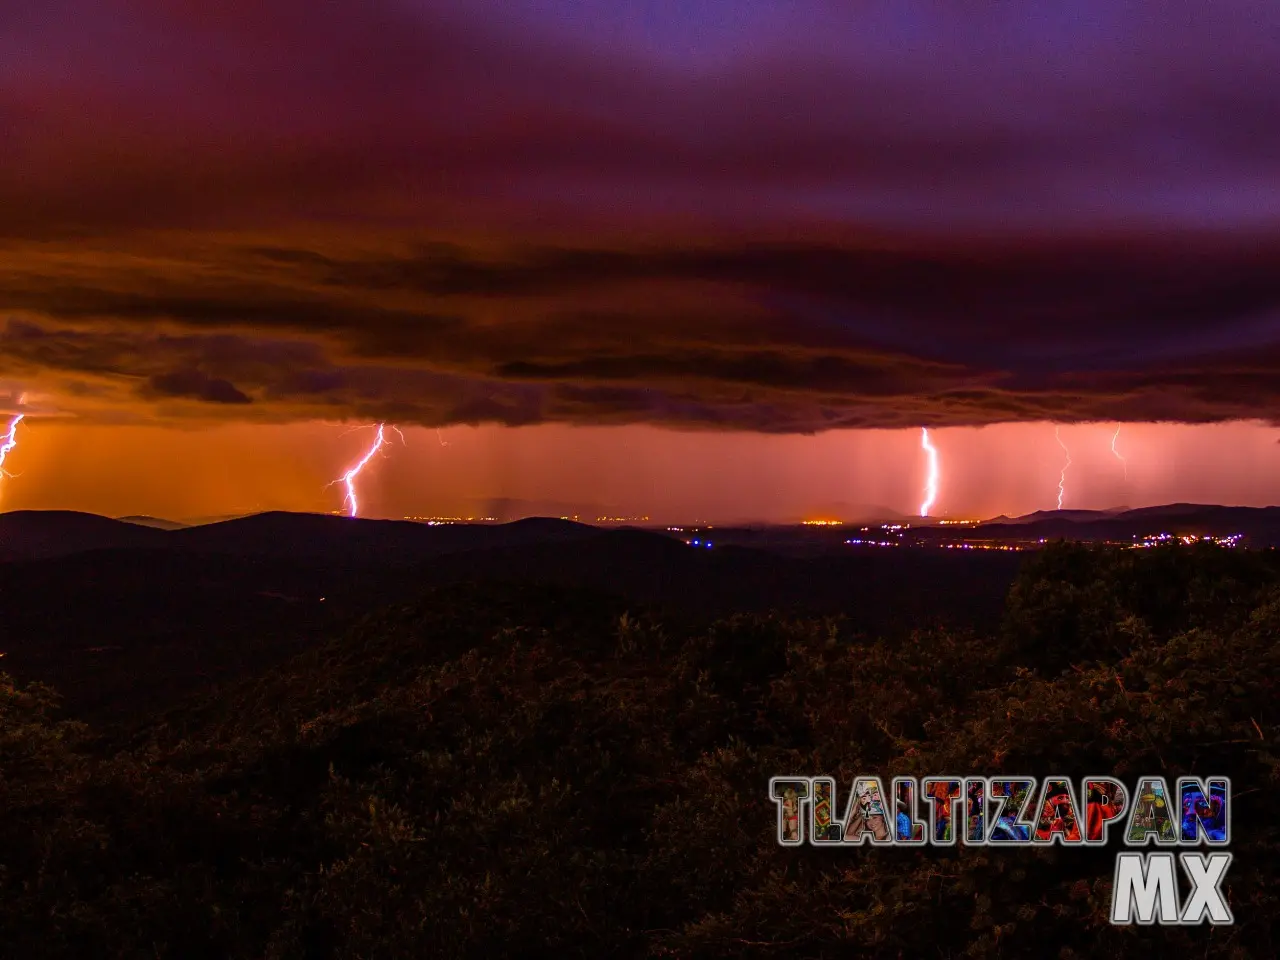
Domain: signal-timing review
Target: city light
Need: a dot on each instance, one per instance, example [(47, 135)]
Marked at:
[(443, 521), (1161, 539)]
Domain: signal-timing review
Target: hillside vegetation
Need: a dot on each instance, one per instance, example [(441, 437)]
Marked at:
[(500, 771)]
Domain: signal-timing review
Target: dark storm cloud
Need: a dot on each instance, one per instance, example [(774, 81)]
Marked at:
[(770, 370), (471, 184), (194, 385), (907, 115), (770, 337)]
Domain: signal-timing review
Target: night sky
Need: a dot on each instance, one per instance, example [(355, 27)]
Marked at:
[(690, 259)]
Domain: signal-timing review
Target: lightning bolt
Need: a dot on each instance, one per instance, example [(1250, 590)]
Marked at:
[(1062, 480), (349, 478), (10, 441), (931, 485), (1123, 461), (440, 437)]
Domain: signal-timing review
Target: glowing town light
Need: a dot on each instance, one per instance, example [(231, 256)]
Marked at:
[(931, 487), (1123, 461), (349, 478), (1062, 479), (10, 441)]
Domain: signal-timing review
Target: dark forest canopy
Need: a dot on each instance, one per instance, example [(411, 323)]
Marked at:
[(504, 770)]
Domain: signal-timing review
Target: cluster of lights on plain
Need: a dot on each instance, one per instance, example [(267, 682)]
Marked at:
[(1141, 543), (1159, 539)]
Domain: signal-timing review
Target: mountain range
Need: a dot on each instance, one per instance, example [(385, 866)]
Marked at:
[(1257, 526), (44, 534), (33, 535)]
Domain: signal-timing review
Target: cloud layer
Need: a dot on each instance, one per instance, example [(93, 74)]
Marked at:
[(856, 215)]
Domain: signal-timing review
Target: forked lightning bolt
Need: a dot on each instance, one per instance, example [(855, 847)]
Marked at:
[(349, 478), (10, 441), (931, 485), (1123, 462), (1062, 479)]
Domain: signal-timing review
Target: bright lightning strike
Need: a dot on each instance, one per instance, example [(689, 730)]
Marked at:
[(931, 486), (1062, 479), (10, 441), (1123, 461), (349, 478)]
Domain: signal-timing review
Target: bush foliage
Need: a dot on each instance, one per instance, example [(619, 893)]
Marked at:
[(512, 770)]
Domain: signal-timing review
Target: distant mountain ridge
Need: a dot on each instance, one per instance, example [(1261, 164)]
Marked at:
[(38, 534), (35, 535), (1073, 515), (1260, 526), (157, 522), (44, 534)]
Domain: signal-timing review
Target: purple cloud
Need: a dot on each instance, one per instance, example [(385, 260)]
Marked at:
[(783, 216)]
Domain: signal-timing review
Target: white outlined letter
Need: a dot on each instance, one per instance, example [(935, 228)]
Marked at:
[(1205, 871), (1145, 884)]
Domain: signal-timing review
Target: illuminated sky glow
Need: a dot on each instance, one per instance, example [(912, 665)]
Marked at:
[(675, 476)]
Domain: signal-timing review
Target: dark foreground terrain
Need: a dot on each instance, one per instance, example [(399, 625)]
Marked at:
[(122, 618), (511, 764)]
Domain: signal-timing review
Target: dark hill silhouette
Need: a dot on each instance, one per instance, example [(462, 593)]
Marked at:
[(35, 535), (327, 537), (1260, 526), (38, 534), (1175, 509), (1039, 515), (1203, 510), (157, 522)]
